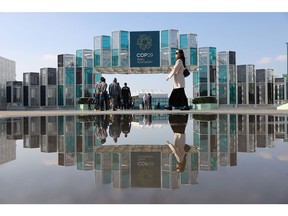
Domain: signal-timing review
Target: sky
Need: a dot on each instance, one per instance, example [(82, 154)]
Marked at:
[(33, 37)]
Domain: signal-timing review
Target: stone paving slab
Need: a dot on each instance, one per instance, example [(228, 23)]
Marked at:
[(253, 111)]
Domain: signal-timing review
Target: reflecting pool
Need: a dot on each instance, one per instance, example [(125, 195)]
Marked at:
[(144, 159)]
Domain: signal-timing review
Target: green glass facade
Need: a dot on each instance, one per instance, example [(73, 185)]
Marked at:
[(84, 73), (207, 79)]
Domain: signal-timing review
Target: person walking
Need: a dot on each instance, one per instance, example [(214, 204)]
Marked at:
[(115, 92), (103, 94), (178, 97), (126, 95)]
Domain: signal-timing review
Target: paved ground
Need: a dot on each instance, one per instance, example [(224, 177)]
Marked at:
[(41, 112)]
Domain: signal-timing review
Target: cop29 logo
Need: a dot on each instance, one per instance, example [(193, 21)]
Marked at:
[(144, 42)]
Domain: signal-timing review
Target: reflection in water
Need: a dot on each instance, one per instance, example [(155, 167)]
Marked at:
[(179, 148), (103, 143)]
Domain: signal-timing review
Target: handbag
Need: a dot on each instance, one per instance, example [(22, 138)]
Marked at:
[(186, 72)]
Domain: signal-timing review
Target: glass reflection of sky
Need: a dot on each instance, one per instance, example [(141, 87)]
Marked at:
[(65, 159)]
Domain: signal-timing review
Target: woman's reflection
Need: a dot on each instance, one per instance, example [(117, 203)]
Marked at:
[(179, 148)]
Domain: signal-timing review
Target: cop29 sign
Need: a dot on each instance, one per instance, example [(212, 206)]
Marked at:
[(144, 49)]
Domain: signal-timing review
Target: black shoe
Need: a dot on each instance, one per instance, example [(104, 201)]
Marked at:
[(168, 107), (187, 148), (185, 108)]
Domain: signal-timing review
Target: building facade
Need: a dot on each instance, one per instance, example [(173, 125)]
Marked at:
[(7, 73)]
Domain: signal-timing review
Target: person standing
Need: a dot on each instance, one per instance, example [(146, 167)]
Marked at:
[(126, 95), (178, 97), (145, 101), (149, 101), (115, 92)]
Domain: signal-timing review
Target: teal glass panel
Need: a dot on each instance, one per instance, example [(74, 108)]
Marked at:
[(183, 41), (96, 58), (194, 161), (115, 57), (88, 143), (79, 130), (232, 89), (97, 159), (203, 76), (195, 78), (196, 140), (60, 125), (78, 91), (214, 164), (164, 39), (115, 161), (124, 39), (79, 161), (212, 89), (233, 124), (106, 44), (212, 55), (173, 56), (60, 95), (222, 74), (88, 75), (193, 56), (70, 144), (165, 179), (222, 94), (79, 54), (69, 76), (203, 128), (223, 143), (203, 90), (213, 128), (204, 143)]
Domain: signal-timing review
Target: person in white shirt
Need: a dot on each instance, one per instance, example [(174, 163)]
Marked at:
[(178, 97)]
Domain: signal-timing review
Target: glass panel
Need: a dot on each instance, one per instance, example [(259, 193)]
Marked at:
[(115, 57), (69, 76), (212, 55), (97, 42), (106, 42), (60, 95), (124, 40), (193, 56), (96, 58), (212, 89), (61, 76), (164, 39), (203, 90), (78, 91), (232, 87), (183, 41), (79, 54), (87, 75), (52, 76), (222, 74)]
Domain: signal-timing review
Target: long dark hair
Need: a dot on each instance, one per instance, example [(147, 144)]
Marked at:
[(182, 56)]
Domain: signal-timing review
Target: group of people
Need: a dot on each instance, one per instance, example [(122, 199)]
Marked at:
[(115, 125), (147, 101), (113, 96)]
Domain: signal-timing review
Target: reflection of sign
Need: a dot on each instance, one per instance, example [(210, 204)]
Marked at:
[(144, 49), (145, 169)]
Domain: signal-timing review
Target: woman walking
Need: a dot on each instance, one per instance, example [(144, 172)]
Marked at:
[(178, 97)]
